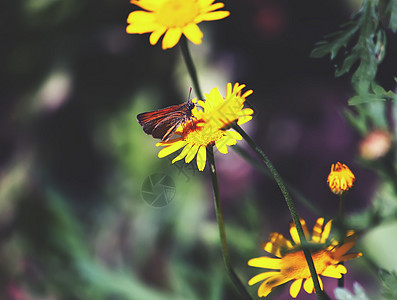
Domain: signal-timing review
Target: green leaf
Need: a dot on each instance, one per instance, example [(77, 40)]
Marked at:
[(389, 283), (391, 9), (365, 54)]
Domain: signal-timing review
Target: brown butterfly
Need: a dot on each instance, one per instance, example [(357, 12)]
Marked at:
[(162, 123)]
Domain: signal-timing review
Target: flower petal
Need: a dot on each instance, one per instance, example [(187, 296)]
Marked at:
[(201, 158), (243, 120), (183, 153), (192, 153), (326, 231), (155, 36), (171, 37), (295, 288), (171, 149), (317, 230), (350, 256), (334, 271), (261, 276), (268, 285), (141, 16), (148, 4), (212, 16), (277, 243), (265, 262), (193, 33), (308, 285), (221, 145)]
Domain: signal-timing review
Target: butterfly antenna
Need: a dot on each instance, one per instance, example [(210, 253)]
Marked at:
[(190, 92)]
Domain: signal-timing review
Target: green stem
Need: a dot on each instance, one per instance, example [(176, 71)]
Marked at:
[(341, 217), (221, 226), (301, 198), (320, 294), (190, 66)]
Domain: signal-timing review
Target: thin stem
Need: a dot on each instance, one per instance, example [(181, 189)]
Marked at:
[(341, 217), (320, 294), (190, 66), (221, 226), (301, 198)]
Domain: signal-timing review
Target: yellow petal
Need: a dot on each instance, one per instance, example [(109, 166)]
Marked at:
[(141, 17), (233, 134), (221, 145), (317, 230), (215, 6), (294, 232), (247, 93), (212, 16), (295, 288), (171, 149), (141, 28), (154, 37), (148, 4), (193, 33), (261, 276), (265, 262), (243, 120), (267, 286), (201, 158), (308, 285), (334, 271), (183, 153), (228, 89), (295, 235), (326, 231), (192, 153), (171, 37)]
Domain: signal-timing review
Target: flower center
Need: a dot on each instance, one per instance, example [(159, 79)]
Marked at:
[(178, 13), (201, 136)]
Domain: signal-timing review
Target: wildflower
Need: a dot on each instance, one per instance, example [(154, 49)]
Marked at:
[(209, 126), (340, 179), (375, 145), (174, 18), (290, 263)]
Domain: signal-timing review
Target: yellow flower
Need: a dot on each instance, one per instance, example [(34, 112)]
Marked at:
[(209, 126), (290, 263), (173, 17), (340, 179)]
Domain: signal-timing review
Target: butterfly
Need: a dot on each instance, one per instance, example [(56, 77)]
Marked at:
[(162, 123)]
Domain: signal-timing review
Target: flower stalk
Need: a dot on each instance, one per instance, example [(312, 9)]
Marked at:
[(190, 66), (320, 294), (221, 226), (341, 217)]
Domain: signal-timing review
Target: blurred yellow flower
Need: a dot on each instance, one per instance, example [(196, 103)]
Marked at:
[(290, 263), (209, 126), (174, 18), (340, 179)]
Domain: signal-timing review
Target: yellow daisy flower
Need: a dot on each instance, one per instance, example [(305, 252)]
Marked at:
[(340, 179), (209, 126), (174, 18), (290, 263)]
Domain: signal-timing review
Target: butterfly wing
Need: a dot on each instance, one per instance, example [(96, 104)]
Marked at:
[(166, 128), (162, 123), (150, 120)]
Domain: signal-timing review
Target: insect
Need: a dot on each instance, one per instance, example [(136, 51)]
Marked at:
[(162, 123)]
